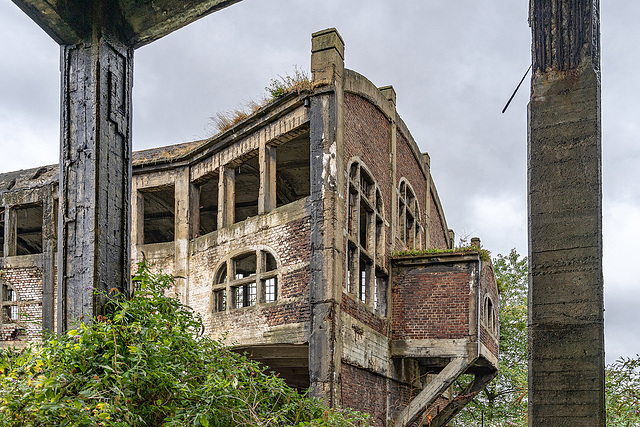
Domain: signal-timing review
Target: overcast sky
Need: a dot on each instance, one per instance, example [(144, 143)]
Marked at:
[(452, 64)]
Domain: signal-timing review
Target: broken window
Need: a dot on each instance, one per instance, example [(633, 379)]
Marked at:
[(9, 304), (28, 223), (293, 170), (409, 228), (247, 188), (208, 205), (365, 231), (249, 278), (159, 214)]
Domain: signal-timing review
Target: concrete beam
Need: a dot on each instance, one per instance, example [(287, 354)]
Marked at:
[(135, 23)]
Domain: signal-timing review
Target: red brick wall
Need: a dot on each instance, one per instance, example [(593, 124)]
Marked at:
[(361, 312), (365, 391), (488, 287), (290, 244), (408, 168), (366, 136), (28, 284), (437, 232), (431, 302)]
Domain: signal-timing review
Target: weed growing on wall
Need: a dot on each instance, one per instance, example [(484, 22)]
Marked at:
[(146, 362)]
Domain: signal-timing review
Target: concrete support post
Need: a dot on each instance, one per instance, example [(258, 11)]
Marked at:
[(49, 226), (95, 175), (226, 198), (327, 207), (267, 193), (566, 310), (181, 241), (11, 232)]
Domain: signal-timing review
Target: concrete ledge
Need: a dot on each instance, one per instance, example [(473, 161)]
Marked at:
[(433, 348), (22, 261)]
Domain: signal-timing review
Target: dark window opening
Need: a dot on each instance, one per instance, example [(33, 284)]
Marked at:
[(9, 304), (159, 215), (1, 234), (408, 221), (353, 210), (270, 262), (380, 292), (28, 229), (245, 265), (247, 189), (293, 170), (220, 300), (208, 206), (221, 275)]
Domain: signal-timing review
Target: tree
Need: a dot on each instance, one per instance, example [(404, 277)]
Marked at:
[(146, 362), (622, 382)]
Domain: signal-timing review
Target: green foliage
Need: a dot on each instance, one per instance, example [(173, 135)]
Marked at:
[(485, 255), (147, 363), (622, 381), (283, 85)]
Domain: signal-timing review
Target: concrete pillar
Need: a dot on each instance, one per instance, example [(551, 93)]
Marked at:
[(327, 210), (267, 192), (226, 198), (10, 232), (95, 175), (566, 321), (181, 241), (49, 231)]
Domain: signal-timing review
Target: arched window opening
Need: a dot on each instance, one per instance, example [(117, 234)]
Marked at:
[(365, 231), (246, 280), (409, 227)]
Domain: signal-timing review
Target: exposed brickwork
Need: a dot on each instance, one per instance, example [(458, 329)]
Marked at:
[(27, 282), (409, 169), (488, 288), (437, 232), (366, 137), (363, 313), (431, 302), (365, 391)]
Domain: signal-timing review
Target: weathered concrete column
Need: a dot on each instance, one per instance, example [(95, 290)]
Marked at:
[(181, 233), (95, 175), (226, 190), (49, 224), (267, 191), (327, 205), (566, 326)]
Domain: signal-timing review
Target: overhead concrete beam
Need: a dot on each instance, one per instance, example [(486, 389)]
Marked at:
[(136, 23)]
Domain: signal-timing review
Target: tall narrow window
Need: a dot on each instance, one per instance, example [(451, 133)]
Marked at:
[(409, 228), (253, 279), (293, 169), (1, 234), (247, 188), (365, 231), (208, 205)]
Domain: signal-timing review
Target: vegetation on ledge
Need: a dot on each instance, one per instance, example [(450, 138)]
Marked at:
[(485, 255)]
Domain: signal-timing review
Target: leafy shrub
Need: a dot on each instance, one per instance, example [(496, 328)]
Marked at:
[(146, 362)]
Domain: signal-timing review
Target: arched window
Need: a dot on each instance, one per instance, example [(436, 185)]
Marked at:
[(490, 318), (409, 227), (245, 280), (365, 277)]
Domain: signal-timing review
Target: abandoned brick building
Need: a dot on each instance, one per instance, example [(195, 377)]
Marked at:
[(290, 233)]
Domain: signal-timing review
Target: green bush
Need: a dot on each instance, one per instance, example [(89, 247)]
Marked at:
[(146, 362)]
